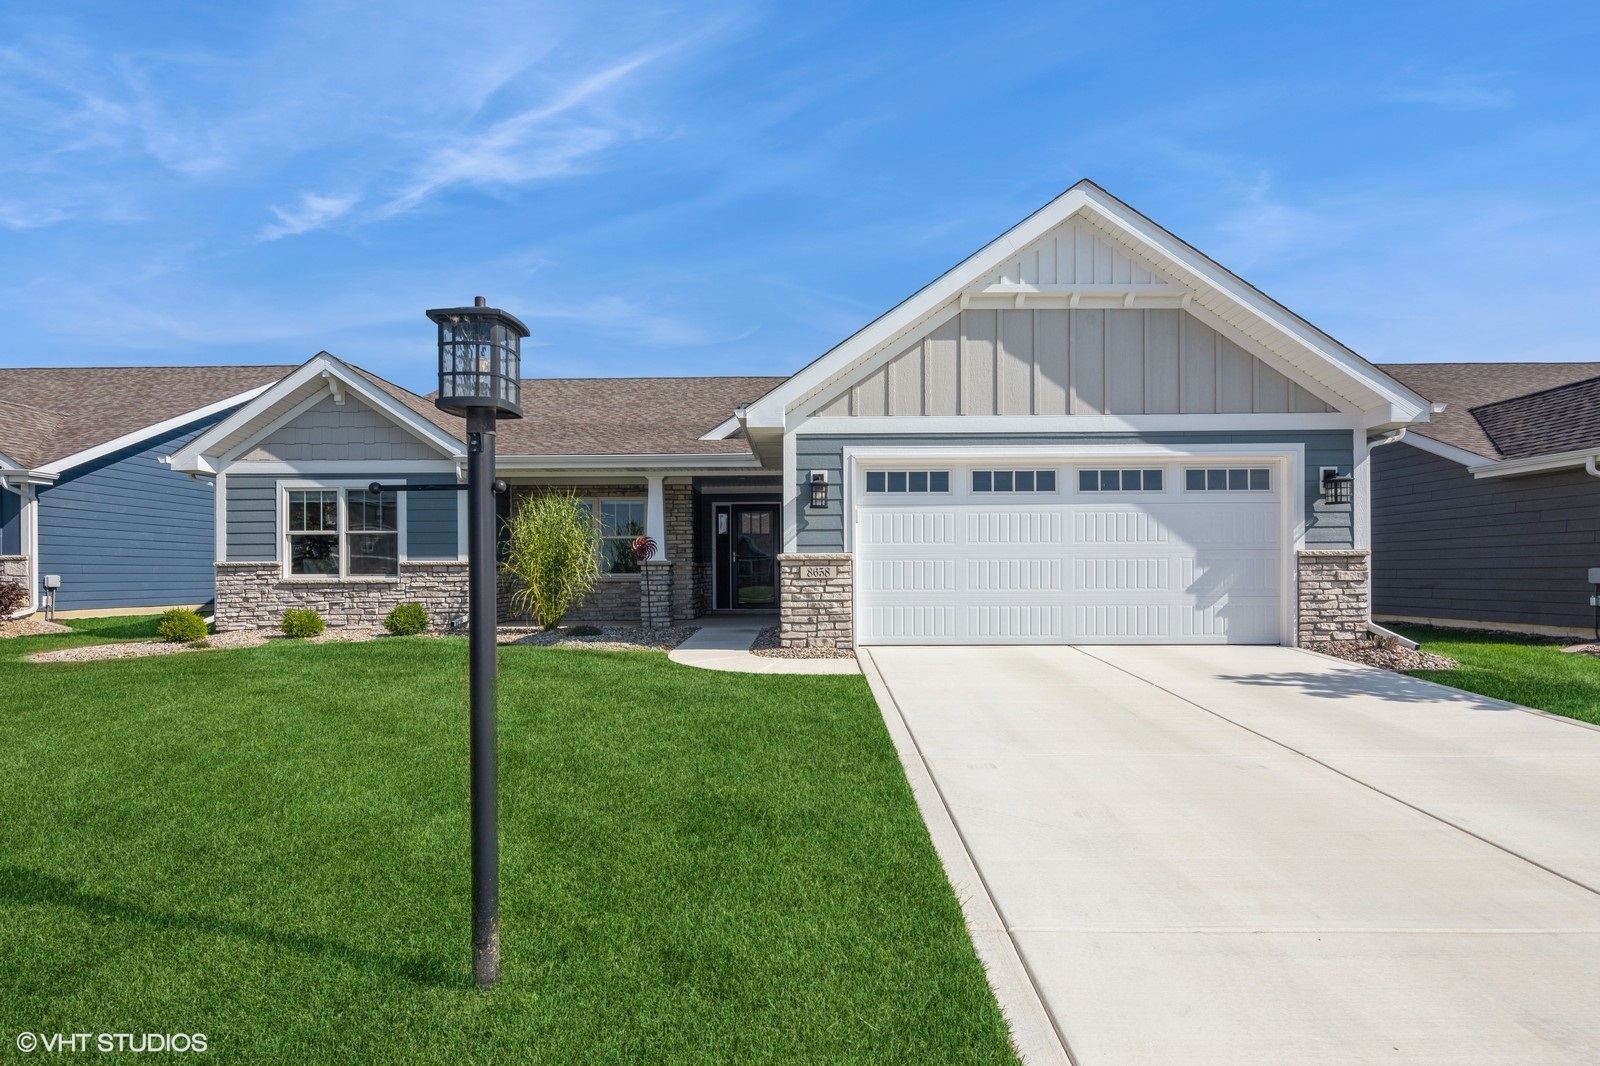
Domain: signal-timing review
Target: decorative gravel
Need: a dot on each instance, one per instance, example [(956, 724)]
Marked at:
[(1582, 649), (234, 638), (1396, 658), (769, 644), (610, 638), (30, 627)]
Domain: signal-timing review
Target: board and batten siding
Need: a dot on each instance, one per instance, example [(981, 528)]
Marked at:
[(252, 514), (351, 430), (1327, 525), (1081, 362), (1493, 550), (128, 531), (10, 523)]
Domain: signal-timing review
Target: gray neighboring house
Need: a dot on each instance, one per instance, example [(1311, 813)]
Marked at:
[(85, 495), (1488, 516), (1085, 432)]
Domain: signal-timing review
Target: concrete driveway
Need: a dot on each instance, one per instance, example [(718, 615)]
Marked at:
[(1258, 855)]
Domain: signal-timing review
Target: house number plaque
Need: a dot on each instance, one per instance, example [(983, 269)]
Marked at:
[(816, 573)]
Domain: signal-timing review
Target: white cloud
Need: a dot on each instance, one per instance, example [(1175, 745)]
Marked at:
[(312, 212)]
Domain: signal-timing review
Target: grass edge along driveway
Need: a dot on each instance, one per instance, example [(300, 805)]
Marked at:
[(269, 846), (1531, 671)]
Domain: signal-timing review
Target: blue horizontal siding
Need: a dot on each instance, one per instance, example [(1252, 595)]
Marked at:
[(1327, 525), (252, 512), (10, 523), (128, 531)]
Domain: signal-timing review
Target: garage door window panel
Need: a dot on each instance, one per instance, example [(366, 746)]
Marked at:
[(1121, 480), (908, 481), (1228, 479), (1013, 481)]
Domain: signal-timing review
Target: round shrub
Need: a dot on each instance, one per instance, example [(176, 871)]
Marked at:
[(179, 626), (12, 597), (407, 620), (302, 623)]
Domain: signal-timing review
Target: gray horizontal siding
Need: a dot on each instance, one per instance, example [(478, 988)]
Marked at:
[(1327, 526), (1506, 550), (253, 515), (128, 531), (10, 523)]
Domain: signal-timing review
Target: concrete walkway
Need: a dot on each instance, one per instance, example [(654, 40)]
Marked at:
[(1258, 855), (723, 643)]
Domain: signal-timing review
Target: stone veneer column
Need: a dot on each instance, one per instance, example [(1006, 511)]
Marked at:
[(680, 551), (1333, 593), (655, 594), (816, 595)]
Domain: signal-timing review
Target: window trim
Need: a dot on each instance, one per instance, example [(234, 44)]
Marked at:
[(1268, 468), (974, 471), (1079, 490), (948, 490), (343, 487), (594, 503)]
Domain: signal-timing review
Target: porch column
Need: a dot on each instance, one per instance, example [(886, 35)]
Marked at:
[(655, 515)]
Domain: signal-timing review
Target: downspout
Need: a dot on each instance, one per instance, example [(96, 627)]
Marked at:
[(28, 521), (1589, 467), (1392, 437)]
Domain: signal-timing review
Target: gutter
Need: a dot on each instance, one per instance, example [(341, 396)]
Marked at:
[(627, 463), (1583, 457)]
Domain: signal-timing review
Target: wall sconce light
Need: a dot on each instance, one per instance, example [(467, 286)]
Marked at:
[(819, 489), (1337, 487)]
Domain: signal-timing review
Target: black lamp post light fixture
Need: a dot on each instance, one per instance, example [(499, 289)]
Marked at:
[(480, 368)]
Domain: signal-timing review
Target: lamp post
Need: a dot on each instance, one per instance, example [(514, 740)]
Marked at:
[(480, 363)]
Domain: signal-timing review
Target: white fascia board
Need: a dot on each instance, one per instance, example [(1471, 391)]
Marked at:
[(1444, 451), (518, 464), (956, 426), (116, 444), (771, 410), (1541, 464), (384, 467), (1263, 307), (724, 430), (197, 457)]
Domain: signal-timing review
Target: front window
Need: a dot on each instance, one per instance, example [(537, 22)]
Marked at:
[(621, 521), (343, 533)]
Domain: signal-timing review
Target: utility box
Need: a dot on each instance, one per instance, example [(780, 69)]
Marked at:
[(1594, 575), (53, 581)]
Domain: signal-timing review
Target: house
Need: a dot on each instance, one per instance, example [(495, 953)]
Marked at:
[(84, 494), (1488, 516), (1087, 431)]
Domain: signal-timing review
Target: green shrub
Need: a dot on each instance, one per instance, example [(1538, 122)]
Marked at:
[(554, 554), (179, 626), (586, 631), (12, 597), (302, 623), (407, 620)]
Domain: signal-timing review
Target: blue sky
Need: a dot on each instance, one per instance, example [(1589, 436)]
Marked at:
[(732, 189)]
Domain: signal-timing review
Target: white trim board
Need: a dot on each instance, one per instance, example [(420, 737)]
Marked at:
[(321, 369), (1217, 290), (957, 426)]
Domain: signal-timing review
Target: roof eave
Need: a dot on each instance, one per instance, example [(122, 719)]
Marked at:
[(1539, 464)]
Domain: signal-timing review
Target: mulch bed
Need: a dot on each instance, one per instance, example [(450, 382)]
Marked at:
[(1372, 653), (609, 638), (769, 644)]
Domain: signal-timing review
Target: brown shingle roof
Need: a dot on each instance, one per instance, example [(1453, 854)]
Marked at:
[(610, 416), (48, 413), (1465, 386)]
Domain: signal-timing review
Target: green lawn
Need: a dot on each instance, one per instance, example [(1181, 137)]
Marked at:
[(270, 847), (1525, 670)]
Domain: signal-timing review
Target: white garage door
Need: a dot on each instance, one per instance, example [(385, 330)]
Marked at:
[(1103, 552)]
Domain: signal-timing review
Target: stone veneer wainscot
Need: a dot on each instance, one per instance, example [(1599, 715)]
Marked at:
[(1332, 591), (817, 594), (255, 595)]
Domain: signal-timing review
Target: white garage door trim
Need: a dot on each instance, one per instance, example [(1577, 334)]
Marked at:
[(1287, 459)]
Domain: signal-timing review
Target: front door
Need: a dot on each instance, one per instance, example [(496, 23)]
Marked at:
[(754, 550)]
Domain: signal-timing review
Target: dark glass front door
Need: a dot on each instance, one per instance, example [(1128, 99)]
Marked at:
[(754, 546)]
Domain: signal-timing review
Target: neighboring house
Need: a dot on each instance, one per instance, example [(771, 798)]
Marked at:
[(1488, 517), (1085, 432), (84, 494)]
